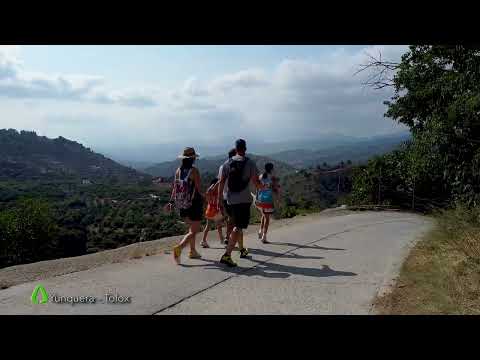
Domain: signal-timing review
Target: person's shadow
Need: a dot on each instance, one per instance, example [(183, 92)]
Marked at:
[(279, 271), (268, 267), (290, 255), (272, 270), (315, 247)]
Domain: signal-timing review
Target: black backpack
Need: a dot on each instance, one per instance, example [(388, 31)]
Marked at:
[(236, 182)]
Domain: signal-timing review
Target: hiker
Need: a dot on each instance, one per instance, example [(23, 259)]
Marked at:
[(265, 199), (213, 213), (225, 208), (237, 173), (188, 199)]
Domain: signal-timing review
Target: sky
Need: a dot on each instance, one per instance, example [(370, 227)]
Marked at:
[(111, 96)]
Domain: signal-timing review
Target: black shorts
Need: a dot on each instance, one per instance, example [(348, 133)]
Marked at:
[(194, 212), (240, 215), (228, 209)]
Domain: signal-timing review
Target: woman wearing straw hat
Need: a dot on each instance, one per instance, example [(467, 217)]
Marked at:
[(188, 200)]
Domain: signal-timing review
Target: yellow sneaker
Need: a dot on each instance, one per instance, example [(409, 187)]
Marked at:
[(194, 255), (177, 252), (227, 260)]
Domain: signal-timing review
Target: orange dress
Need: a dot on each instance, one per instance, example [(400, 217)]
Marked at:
[(212, 212)]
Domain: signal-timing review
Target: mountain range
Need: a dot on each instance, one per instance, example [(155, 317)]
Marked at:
[(357, 152), (26, 156), (138, 155), (309, 154), (211, 166)]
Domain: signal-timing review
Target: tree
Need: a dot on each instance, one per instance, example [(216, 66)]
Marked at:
[(28, 233), (437, 95)]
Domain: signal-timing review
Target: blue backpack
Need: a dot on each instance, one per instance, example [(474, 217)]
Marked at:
[(265, 196)]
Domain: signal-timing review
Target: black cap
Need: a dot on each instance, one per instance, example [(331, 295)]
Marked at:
[(240, 144)]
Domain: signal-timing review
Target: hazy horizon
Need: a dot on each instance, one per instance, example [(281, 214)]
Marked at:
[(134, 97)]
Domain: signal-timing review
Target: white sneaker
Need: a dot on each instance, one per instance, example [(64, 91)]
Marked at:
[(264, 239), (260, 235)]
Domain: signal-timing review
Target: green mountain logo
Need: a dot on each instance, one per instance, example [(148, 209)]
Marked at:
[(39, 292)]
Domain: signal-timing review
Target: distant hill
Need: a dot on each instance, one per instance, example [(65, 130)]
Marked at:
[(357, 152), (157, 153), (137, 165), (211, 165), (26, 156), (319, 142)]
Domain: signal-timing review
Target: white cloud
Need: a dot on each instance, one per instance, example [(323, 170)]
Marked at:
[(297, 98), (192, 105), (244, 79), (191, 96), (15, 82), (312, 97), (192, 87), (129, 98), (8, 61), (219, 92)]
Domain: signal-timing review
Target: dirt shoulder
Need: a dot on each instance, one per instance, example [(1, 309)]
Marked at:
[(441, 275), (19, 274)]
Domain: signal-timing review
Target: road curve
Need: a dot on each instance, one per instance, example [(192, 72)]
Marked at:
[(331, 265)]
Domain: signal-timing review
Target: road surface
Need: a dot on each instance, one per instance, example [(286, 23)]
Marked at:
[(331, 265)]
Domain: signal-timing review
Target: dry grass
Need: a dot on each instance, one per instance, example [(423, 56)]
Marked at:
[(442, 273)]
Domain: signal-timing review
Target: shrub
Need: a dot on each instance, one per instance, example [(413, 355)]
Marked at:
[(28, 233)]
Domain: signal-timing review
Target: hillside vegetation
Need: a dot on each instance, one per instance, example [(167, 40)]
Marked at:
[(49, 220), (437, 95), (26, 156), (60, 206), (58, 198)]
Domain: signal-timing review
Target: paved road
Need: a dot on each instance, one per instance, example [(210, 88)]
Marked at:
[(332, 265)]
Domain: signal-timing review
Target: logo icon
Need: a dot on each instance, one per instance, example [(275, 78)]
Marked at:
[(39, 291)]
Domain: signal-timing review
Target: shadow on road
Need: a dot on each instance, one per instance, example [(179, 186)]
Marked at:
[(315, 247), (324, 271), (285, 256), (275, 271)]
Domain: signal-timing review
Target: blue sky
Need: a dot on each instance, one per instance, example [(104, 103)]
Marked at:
[(166, 65), (135, 95)]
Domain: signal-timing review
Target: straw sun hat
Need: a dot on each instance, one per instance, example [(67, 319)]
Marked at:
[(188, 152)]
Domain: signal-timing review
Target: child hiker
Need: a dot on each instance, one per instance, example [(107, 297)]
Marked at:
[(265, 199), (213, 213)]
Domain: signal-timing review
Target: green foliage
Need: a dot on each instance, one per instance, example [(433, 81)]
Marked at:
[(86, 219), (437, 95), (28, 233), (289, 212)]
